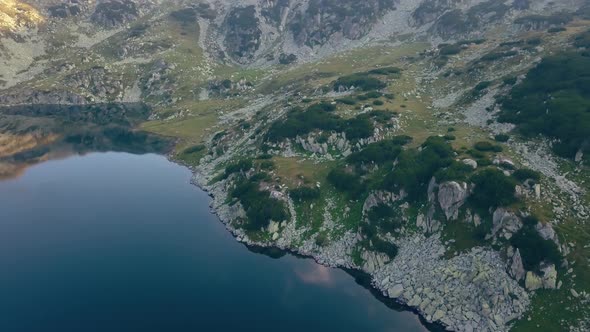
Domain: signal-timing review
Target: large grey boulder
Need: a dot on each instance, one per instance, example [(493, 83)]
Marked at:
[(516, 268), (451, 196), (549, 276), (533, 281), (504, 222)]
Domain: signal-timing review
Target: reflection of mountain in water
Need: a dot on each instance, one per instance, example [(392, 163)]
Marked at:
[(32, 134)]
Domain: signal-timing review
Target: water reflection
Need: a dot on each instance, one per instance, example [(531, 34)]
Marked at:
[(36, 133), (316, 275)]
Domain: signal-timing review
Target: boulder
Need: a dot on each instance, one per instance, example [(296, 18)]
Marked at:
[(549, 276), (451, 196), (533, 281), (505, 222), (516, 268), (546, 231), (396, 291), (470, 162)]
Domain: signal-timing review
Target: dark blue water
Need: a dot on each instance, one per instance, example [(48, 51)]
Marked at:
[(118, 242)]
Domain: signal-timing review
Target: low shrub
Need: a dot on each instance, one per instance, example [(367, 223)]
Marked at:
[(493, 189)]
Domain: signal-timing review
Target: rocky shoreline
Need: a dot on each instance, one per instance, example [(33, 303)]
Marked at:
[(469, 292)]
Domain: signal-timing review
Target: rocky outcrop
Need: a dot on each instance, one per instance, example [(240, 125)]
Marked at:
[(113, 13), (504, 223), (34, 97), (517, 270), (243, 35), (350, 19), (549, 276), (67, 9), (533, 281), (470, 292), (97, 81), (381, 197), (451, 196)]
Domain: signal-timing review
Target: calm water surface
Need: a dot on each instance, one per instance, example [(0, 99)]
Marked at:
[(118, 242)]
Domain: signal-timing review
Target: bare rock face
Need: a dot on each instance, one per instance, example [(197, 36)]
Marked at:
[(111, 14), (36, 97), (67, 9), (504, 222), (516, 268), (533, 281), (243, 35), (451, 196), (97, 81), (324, 19)]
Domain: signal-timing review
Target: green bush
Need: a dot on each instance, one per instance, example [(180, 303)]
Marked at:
[(379, 153), (347, 182), (525, 174), (319, 117), (361, 81), (260, 208), (373, 94), (534, 249), (554, 100), (378, 103), (486, 146), (450, 137), (194, 149), (493, 189), (240, 166), (267, 165), (304, 194), (502, 138), (415, 168), (385, 71), (346, 101), (457, 171), (385, 218)]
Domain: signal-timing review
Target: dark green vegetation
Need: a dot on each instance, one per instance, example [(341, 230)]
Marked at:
[(485, 146), (320, 116), (524, 174), (380, 152), (385, 218), (533, 248), (554, 100), (493, 189), (348, 182), (416, 167), (304, 194), (260, 207), (361, 81)]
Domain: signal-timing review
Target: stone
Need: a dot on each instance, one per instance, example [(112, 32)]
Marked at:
[(533, 281), (506, 221), (516, 268), (396, 291), (546, 231), (574, 293), (451, 196), (273, 227), (470, 162), (438, 315), (538, 191), (275, 236), (549, 277)]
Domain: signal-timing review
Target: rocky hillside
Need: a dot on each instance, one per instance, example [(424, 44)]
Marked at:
[(440, 146)]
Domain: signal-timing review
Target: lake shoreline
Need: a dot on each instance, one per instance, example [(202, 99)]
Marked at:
[(361, 277)]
